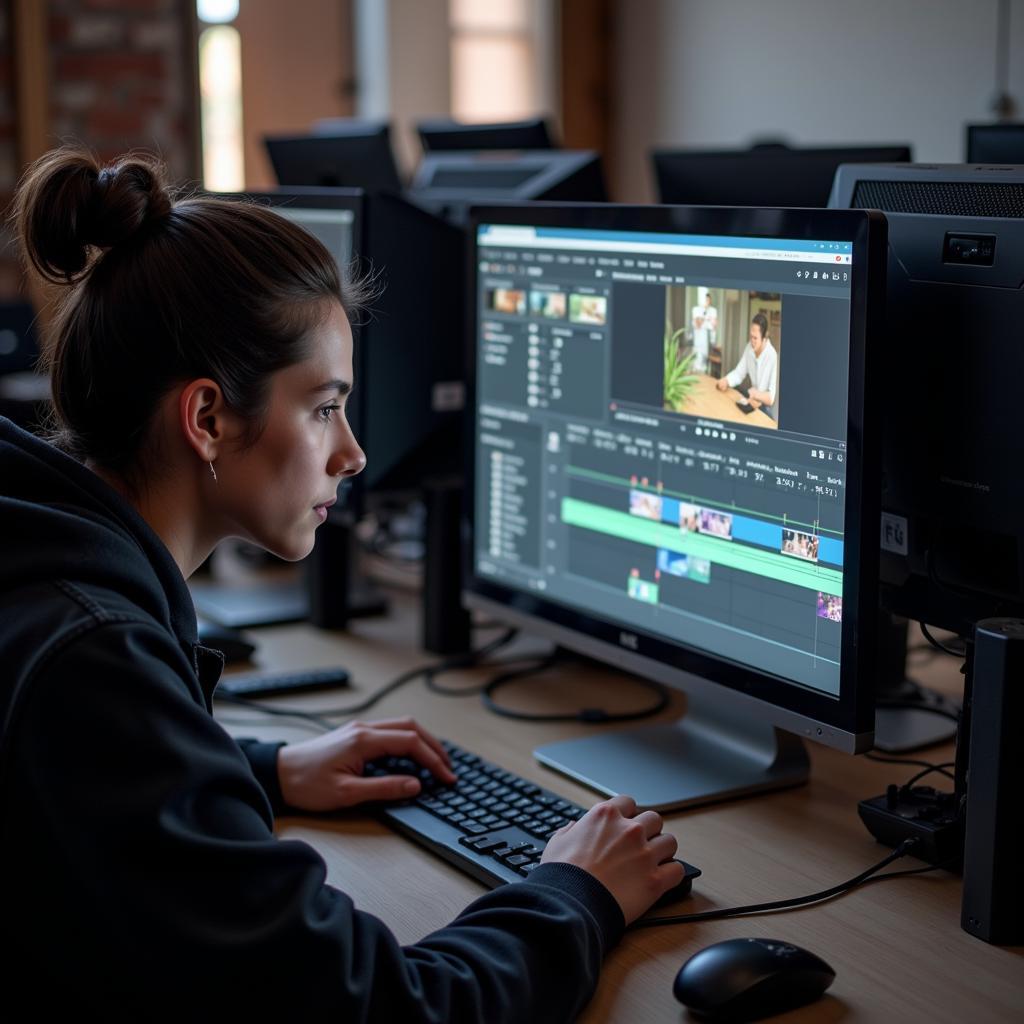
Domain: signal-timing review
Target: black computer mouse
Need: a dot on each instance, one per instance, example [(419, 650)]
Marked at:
[(747, 979), (230, 642)]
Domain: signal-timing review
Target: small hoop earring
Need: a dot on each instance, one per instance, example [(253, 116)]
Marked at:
[(213, 471)]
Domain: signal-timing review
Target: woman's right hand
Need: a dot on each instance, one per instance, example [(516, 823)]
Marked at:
[(625, 851)]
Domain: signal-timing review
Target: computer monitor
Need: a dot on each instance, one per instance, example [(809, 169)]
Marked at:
[(407, 405), (442, 134), (995, 143), (351, 155), (631, 503), (449, 183), (952, 534), (763, 176)]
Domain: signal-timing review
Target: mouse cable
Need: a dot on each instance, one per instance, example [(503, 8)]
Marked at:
[(321, 719), (865, 877)]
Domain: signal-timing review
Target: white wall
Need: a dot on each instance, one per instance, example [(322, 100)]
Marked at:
[(722, 72)]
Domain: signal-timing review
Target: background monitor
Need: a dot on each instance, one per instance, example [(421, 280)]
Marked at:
[(770, 175), (354, 154), (449, 183), (995, 143), (441, 134), (628, 503), (952, 532)]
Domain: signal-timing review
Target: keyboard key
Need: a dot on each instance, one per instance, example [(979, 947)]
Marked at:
[(469, 815)]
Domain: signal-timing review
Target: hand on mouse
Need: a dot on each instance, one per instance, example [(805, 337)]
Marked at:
[(326, 773), (625, 851)]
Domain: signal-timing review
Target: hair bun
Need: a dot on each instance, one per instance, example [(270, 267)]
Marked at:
[(68, 207)]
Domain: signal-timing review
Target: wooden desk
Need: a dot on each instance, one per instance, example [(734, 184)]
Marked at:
[(897, 947)]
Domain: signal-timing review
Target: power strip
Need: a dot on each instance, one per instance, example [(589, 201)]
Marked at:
[(924, 813)]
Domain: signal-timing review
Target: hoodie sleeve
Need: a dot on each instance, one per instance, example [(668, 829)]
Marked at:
[(158, 841)]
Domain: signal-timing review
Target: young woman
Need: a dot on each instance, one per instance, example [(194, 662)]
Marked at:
[(200, 363)]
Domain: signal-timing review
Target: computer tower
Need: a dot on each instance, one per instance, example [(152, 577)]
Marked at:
[(993, 895)]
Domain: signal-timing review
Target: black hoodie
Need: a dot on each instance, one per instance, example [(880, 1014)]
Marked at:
[(140, 877)]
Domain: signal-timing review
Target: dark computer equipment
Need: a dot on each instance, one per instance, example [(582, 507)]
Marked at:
[(952, 541), (668, 535), (771, 175), (748, 979), (442, 134), (952, 534), (995, 143), (358, 155), (449, 183), (19, 349), (406, 408), (232, 643), (993, 895), (24, 392)]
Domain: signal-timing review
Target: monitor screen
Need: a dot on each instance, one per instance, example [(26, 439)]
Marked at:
[(444, 134), (772, 176), (358, 158), (995, 143), (668, 445)]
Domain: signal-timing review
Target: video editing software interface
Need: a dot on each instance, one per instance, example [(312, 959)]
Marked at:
[(661, 435)]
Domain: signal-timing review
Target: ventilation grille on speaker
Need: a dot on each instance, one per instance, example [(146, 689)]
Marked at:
[(961, 198)]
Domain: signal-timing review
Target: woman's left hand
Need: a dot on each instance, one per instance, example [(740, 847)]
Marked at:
[(326, 773)]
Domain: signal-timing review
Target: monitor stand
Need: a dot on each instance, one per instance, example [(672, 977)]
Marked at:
[(710, 754), (905, 728)]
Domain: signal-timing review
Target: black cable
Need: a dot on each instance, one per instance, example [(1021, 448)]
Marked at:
[(938, 645), (940, 768), (798, 901), (533, 663), (435, 668), (589, 715), (910, 762)]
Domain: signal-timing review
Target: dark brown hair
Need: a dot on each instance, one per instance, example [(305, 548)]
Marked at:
[(163, 290), (762, 321)]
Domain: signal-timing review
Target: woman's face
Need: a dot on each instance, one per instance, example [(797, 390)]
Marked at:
[(276, 493)]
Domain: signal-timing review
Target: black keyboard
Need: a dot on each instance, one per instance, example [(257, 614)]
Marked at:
[(491, 823)]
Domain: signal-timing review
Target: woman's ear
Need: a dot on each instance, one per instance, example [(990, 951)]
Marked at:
[(203, 416)]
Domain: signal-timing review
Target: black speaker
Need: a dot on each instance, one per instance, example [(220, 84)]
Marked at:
[(446, 624), (993, 894), (337, 591)]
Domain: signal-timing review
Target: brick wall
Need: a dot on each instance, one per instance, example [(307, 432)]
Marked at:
[(7, 135), (121, 77)]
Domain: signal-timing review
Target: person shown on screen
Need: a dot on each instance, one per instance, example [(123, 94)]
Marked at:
[(200, 363), (760, 364), (704, 320)]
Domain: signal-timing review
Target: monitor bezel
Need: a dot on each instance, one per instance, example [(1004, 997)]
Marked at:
[(978, 134), (769, 161), (288, 149), (446, 135), (846, 722)]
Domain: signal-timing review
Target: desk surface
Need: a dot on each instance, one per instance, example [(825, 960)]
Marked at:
[(897, 947)]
